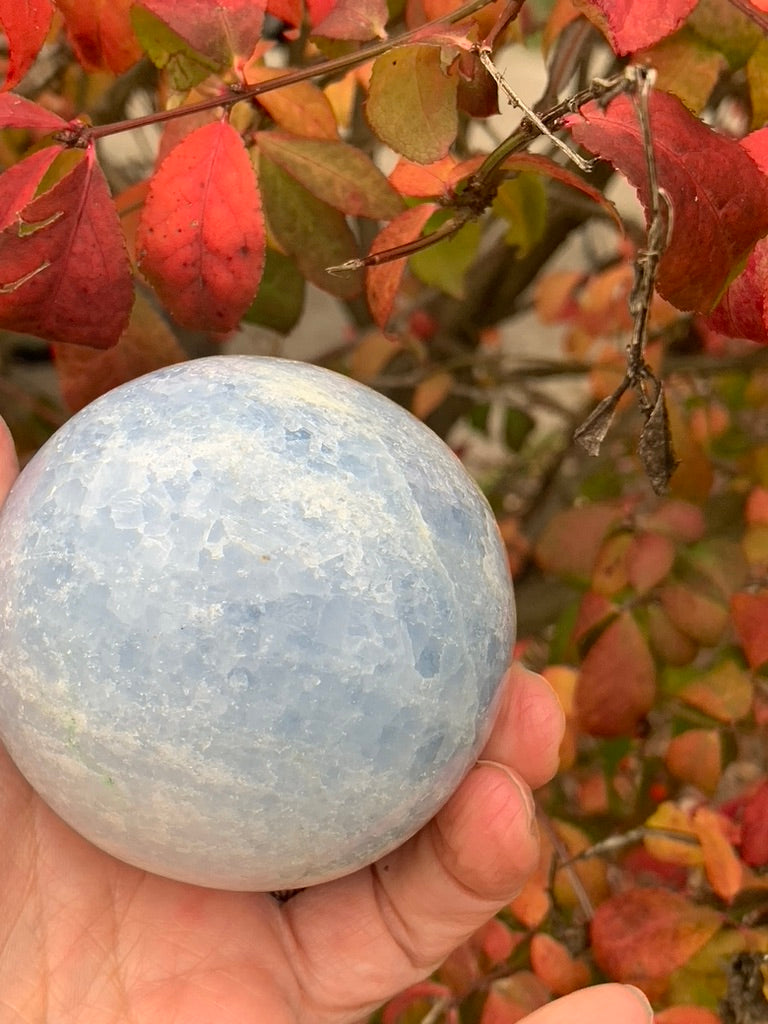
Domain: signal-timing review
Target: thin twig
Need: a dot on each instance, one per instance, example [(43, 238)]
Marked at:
[(326, 67), (485, 59)]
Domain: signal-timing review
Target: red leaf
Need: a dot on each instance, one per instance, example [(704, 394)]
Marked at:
[(19, 183), (201, 240), (219, 30), (714, 225), (359, 20), (572, 539), (383, 281), (633, 24), (749, 613), (423, 994), (696, 611), (641, 936), (86, 373), (617, 681), (101, 33), (25, 24), (695, 756), (686, 1015), (679, 520), (649, 560), (63, 266), (16, 112), (754, 828), (743, 312)]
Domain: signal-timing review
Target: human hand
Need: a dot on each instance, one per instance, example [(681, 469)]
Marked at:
[(85, 939)]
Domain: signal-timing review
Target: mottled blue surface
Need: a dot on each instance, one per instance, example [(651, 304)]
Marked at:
[(253, 617)]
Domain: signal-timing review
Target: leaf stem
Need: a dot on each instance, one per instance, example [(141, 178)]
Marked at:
[(326, 67)]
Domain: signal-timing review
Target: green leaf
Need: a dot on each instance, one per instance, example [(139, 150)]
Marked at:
[(726, 29), (517, 426), (338, 174), (310, 231), (412, 103), (280, 299), (522, 202), (445, 264), (186, 67)]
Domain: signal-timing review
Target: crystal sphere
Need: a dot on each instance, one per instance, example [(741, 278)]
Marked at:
[(253, 621)]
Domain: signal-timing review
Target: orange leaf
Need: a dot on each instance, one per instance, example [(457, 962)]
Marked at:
[(649, 560), (686, 1015), (371, 355), (201, 240), (383, 281), (617, 682), (724, 870), (724, 692), (641, 936), (423, 181), (101, 33), (301, 108), (671, 818), (430, 394), (750, 619), (695, 757), (695, 612), (552, 962)]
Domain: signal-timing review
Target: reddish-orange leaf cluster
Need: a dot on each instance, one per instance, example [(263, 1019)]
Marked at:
[(713, 230)]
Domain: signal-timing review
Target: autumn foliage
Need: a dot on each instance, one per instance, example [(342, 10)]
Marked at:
[(352, 147)]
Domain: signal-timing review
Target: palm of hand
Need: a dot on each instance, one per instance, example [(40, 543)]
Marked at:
[(84, 938)]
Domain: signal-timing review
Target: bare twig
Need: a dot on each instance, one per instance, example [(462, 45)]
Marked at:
[(485, 59), (655, 443)]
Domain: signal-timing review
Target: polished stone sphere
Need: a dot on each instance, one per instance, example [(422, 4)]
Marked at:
[(253, 620)]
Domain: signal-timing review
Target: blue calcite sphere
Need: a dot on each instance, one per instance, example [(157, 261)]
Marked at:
[(253, 619)]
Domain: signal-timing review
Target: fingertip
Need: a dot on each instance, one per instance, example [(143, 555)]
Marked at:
[(610, 1002), (9, 463), (529, 727)]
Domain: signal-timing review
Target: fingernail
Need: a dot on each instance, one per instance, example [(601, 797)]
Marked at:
[(525, 793), (640, 996)]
